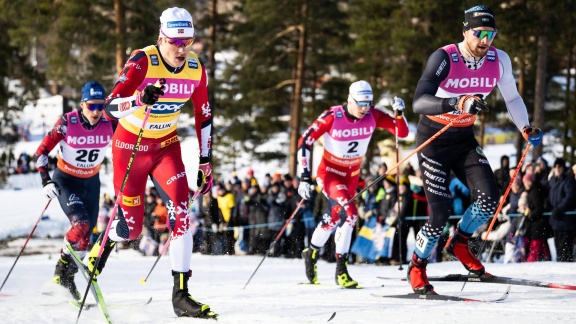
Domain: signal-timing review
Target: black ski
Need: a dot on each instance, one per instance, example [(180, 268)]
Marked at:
[(448, 297), (497, 280)]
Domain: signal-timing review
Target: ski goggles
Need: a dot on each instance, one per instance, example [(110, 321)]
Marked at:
[(490, 34), (178, 42), (95, 106), (363, 103)]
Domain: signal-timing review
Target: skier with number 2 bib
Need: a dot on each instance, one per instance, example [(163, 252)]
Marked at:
[(347, 130)]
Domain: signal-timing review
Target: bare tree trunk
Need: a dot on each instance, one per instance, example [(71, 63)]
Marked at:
[(540, 91), (567, 117), (212, 72), (120, 19), (296, 106), (521, 84)]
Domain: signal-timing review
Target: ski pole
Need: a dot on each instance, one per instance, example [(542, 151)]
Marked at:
[(276, 239), (502, 200), (143, 280), (394, 167), (24, 246), (399, 224), (158, 84)]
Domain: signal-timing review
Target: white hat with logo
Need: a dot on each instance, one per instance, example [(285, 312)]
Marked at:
[(176, 23), (361, 91)]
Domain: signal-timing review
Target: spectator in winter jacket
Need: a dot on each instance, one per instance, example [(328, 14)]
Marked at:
[(502, 175), (276, 215), (257, 209), (404, 207), (537, 228), (562, 198), (541, 172), (226, 204), (386, 198)]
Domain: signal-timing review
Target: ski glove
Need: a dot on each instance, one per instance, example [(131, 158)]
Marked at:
[(398, 106), (152, 93), (470, 104), (532, 135), (51, 189), (204, 177), (305, 188)]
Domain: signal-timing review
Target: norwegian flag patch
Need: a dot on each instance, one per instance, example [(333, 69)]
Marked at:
[(180, 31)]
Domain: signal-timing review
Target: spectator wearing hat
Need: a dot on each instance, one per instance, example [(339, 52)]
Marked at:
[(83, 137), (562, 199), (537, 227), (250, 177)]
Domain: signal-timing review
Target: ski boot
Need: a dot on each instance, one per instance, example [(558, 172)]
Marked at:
[(93, 255), (417, 276), (457, 247), (64, 274), (310, 257), (184, 305), (342, 277)]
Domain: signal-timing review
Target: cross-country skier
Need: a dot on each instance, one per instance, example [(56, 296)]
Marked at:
[(456, 80), (347, 130), (159, 154), (83, 136)]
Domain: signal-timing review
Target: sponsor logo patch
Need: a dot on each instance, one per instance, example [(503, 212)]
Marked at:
[(169, 141), (124, 106), (154, 59), (131, 201)]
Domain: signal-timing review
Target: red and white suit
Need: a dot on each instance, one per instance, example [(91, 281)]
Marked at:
[(159, 153), (346, 140)]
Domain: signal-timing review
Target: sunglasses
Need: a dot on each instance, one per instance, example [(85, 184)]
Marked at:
[(95, 106), (363, 103), (484, 33), (177, 41)]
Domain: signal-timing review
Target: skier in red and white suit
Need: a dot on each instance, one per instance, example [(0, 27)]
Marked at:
[(347, 130), (159, 154)]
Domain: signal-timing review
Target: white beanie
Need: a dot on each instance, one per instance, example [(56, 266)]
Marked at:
[(176, 23), (361, 91)]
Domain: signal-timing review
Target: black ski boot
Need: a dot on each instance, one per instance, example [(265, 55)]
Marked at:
[(64, 274), (342, 277), (310, 257), (93, 255), (184, 305)]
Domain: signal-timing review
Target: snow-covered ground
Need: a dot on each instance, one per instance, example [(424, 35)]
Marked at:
[(273, 295)]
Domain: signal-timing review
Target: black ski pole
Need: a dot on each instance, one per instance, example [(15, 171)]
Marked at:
[(24, 246), (275, 240)]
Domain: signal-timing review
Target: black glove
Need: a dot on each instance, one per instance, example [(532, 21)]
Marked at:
[(468, 104), (150, 94)]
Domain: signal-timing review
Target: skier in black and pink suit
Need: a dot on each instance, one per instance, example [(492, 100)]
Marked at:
[(456, 80), (83, 137), (347, 130)]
